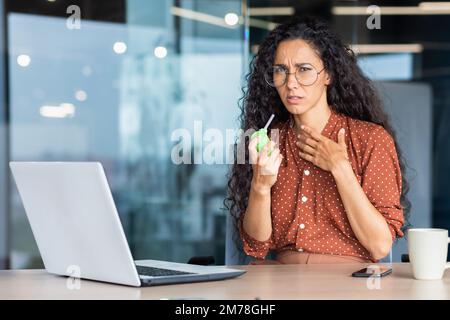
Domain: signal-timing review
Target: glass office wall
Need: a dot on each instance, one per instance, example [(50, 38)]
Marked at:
[(117, 92)]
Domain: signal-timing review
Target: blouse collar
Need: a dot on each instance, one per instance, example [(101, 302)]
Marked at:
[(329, 126)]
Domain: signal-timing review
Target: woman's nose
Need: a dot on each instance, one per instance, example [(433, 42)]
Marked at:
[(291, 81)]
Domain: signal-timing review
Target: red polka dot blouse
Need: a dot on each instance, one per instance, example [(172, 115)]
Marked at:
[(307, 211)]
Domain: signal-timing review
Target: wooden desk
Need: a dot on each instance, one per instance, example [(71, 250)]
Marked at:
[(263, 281)]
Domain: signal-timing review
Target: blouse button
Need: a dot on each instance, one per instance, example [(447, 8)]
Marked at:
[(306, 172), (304, 199), (302, 226)]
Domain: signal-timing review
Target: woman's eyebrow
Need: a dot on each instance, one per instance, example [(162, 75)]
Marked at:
[(302, 64), (296, 65)]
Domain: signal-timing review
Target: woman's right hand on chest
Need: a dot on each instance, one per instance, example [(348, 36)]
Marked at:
[(265, 166)]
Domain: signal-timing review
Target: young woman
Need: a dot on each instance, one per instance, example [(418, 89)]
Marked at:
[(332, 190)]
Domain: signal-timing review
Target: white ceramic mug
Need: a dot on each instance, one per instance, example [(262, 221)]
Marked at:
[(427, 250)]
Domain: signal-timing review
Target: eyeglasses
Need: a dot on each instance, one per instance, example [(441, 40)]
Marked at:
[(305, 74)]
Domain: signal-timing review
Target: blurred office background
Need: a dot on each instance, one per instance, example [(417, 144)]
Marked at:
[(113, 86)]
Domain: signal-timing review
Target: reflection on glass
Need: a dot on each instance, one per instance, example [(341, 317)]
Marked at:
[(114, 93)]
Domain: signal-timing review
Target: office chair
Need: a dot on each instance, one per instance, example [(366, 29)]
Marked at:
[(202, 260)]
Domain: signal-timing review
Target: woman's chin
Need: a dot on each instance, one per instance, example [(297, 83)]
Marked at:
[(296, 108)]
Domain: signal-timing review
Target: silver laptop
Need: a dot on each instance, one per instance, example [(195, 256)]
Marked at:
[(77, 229)]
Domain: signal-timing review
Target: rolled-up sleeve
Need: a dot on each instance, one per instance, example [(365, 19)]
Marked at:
[(382, 179), (253, 247)]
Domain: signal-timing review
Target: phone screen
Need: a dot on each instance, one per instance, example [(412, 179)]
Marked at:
[(373, 271)]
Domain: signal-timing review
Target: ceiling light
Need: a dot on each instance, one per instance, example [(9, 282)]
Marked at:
[(271, 11), (23, 60), (434, 6), (160, 52), (386, 48), (80, 95), (404, 10), (62, 111), (119, 47), (231, 19)]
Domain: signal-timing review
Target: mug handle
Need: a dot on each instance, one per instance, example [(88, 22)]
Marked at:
[(447, 265)]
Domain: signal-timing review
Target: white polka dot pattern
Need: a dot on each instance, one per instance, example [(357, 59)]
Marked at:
[(307, 211)]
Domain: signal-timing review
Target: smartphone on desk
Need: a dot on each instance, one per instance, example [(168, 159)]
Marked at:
[(372, 271)]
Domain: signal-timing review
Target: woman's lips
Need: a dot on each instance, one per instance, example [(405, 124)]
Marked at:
[(294, 99)]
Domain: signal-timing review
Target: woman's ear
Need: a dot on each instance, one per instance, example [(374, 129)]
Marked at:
[(327, 79)]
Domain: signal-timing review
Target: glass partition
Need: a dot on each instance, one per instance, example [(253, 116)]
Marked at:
[(117, 92)]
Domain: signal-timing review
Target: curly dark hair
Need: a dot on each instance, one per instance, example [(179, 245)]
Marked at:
[(350, 93)]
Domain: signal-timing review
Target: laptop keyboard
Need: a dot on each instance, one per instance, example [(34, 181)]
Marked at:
[(158, 272)]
